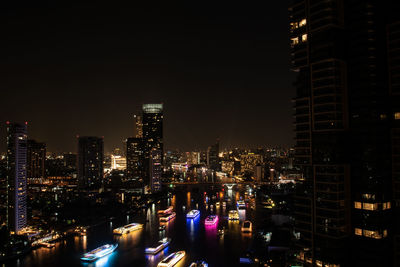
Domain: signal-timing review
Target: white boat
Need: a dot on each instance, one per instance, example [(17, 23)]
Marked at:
[(166, 211), (172, 259), (192, 214), (247, 227), (127, 228), (168, 217), (163, 243), (99, 252), (241, 204), (199, 264)]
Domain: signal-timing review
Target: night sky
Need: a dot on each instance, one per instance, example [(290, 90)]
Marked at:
[(221, 72)]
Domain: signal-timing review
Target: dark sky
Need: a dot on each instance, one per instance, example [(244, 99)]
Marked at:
[(221, 71)]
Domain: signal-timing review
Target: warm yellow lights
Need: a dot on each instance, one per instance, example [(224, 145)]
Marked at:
[(302, 22), (294, 40), (397, 115), (372, 206), (298, 24), (370, 233), (304, 37)]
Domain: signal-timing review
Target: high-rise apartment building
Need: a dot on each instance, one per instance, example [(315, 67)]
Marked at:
[(90, 162), (213, 160), (36, 157), (135, 159), (138, 127), (152, 120), (155, 169), (16, 176), (344, 141)]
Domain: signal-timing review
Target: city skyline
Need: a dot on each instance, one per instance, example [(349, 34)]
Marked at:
[(218, 76)]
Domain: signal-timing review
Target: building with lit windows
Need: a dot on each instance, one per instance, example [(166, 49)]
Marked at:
[(16, 176), (155, 170), (213, 160), (344, 138), (90, 162), (135, 159), (138, 127), (152, 126), (36, 157)]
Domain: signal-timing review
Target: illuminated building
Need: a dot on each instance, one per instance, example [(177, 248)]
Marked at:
[(90, 162), (36, 157), (70, 160), (152, 120), (213, 160), (155, 169), (138, 127), (16, 176), (343, 114), (118, 162), (249, 161), (135, 159)]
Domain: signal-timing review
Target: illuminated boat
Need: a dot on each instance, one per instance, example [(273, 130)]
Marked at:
[(224, 204), (247, 227), (99, 252), (241, 204), (192, 214), (166, 211), (172, 259), (217, 205), (211, 220), (199, 264), (168, 217), (127, 228), (233, 215), (163, 243)]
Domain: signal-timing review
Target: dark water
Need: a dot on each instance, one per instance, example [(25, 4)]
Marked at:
[(199, 241)]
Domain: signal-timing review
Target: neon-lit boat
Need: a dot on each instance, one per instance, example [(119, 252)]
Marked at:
[(166, 211), (163, 243), (211, 220), (192, 214), (168, 217), (99, 252), (172, 259), (241, 204), (233, 215), (247, 227), (127, 228)]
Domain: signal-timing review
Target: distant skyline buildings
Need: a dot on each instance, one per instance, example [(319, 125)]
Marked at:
[(90, 162), (17, 136)]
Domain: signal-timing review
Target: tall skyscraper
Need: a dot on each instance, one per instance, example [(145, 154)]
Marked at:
[(155, 170), (90, 162), (213, 160), (135, 159), (343, 113), (138, 127), (152, 120), (36, 157), (16, 176)]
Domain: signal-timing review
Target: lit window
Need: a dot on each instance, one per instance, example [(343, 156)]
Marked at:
[(294, 40), (382, 116), (304, 37), (294, 25), (358, 231), (370, 206), (397, 115), (357, 205), (368, 196), (302, 22), (384, 233)]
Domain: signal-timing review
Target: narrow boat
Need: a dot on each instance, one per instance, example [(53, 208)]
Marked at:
[(163, 243), (166, 211), (172, 259), (99, 252), (247, 227)]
